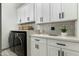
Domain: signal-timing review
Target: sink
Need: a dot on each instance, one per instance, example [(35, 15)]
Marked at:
[(53, 35)]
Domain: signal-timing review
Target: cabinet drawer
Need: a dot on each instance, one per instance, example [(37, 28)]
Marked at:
[(71, 45), (40, 40), (54, 43), (64, 44)]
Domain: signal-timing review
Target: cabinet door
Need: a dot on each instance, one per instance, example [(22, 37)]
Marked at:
[(55, 9), (42, 12), (29, 12), (38, 13), (34, 49), (38, 49), (69, 11), (20, 15), (54, 51), (45, 11), (66, 52)]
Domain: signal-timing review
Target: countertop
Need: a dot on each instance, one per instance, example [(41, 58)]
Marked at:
[(64, 38)]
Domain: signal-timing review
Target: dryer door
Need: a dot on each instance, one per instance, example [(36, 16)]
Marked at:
[(11, 41)]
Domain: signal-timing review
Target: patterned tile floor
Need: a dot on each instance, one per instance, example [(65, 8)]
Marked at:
[(8, 53)]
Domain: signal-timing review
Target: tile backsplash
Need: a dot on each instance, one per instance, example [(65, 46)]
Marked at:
[(46, 28), (57, 26)]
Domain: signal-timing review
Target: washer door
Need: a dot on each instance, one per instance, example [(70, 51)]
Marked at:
[(19, 43)]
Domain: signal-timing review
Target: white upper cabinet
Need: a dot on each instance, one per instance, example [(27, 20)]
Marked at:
[(20, 14), (25, 13), (63, 11), (69, 11), (29, 12), (42, 12), (38, 13), (45, 11), (55, 11)]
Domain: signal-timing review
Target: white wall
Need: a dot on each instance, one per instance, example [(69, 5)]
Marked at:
[(8, 22)]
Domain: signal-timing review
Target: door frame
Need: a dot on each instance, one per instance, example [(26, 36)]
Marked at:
[(0, 30)]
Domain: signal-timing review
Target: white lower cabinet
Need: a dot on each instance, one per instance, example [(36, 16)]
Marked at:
[(53, 51), (38, 48), (62, 48), (48, 47), (67, 52)]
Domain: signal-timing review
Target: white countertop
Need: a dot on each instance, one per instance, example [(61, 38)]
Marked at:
[(64, 38)]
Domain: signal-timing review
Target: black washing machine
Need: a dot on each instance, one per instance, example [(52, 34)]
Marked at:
[(18, 42)]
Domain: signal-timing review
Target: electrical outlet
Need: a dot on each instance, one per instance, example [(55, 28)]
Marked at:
[(52, 28)]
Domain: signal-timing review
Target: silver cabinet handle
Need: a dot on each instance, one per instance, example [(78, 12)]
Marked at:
[(36, 46), (41, 19), (61, 44), (59, 15), (28, 18), (58, 52), (62, 14), (37, 40), (62, 53)]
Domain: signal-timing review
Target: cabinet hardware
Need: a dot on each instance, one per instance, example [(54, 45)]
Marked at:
[(62, 14), (41, 19), (58, 52), (37, 40), (28, 18), (59, 15), (60, 44), (36, 46), (62, 53)]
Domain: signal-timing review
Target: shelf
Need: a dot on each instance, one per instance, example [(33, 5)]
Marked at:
[(27, 23), (57, 21)]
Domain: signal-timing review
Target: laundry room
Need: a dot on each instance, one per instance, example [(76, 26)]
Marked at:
[(39, 29)]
